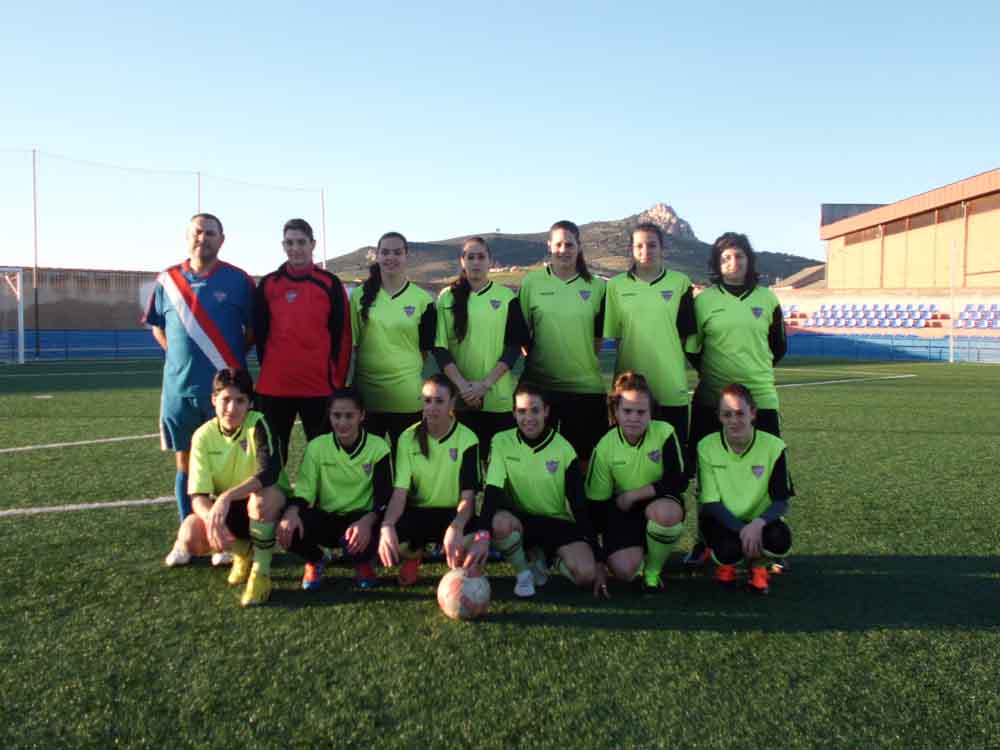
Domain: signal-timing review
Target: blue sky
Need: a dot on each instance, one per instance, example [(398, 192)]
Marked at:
[(442, 119)]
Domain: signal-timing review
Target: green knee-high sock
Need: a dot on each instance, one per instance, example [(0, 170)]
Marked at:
[(513, 551), (262, 538), (659, 541)]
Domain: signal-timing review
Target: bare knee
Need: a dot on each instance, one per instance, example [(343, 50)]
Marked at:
[(504, 524), (665, 512), (266, 505), (191, 535), (625, 564)]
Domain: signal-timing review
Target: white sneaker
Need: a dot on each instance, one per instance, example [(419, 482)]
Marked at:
[(177, 556), (525, 586), (222, 558), (539, 571)]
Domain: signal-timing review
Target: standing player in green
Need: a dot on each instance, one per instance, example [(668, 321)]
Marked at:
[(237, 488), (437, 476), (341, 491), (744, 489), (563, 305), (535, 500), (635, 482), (480, 331), (740, 338), (650, 313), (393, 323)]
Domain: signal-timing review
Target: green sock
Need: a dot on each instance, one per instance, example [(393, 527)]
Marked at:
[(240, 548), (513, 551), (262, 538), (659, 541)]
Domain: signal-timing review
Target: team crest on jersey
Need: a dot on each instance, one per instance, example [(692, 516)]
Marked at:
[(453, 452), (219, 296), (290, 295), (654, 456), (758, 471), (495, 304), (243, 445), (584, 294), (667, 296), (757, 311), (551, 466), (367, 469), (409, 310)]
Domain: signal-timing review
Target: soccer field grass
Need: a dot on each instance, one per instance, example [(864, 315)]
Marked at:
[(886, 633)]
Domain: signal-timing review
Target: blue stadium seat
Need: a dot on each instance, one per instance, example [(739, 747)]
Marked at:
[(970, 307), (823, 307), (982, 324), (933, 307), (921, 307), (960, 323), (995, 307), (840, 323), (881, 314), (834, 306), (983, 307), (877, 306), (808, 323), (794, 308), (926, 315), (921, 323), (996, 323), (884, 323), (898, 306), (907, 323)]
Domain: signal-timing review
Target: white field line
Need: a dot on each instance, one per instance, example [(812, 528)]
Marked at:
[(79, 442), (85, 506), (83, 372), (844, 380), (835, 370)]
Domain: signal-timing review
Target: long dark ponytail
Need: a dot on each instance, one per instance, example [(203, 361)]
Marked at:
[(443, 382), (373, 283), (581, 262), (461, 290)]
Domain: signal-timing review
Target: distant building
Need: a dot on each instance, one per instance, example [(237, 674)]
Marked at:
[(910, 244)]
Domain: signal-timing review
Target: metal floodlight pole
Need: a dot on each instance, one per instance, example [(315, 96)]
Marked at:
[(322, 216), (20, 316), (34, 212), (951, 338), (198, 176)]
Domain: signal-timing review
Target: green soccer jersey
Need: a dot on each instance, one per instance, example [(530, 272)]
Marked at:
[(564, 318), (389, 344), (617, 467), (643, 318), (534, 478), (733, 340), (479, 351), (220, 462), (745, 483), (338, 481), (437, 479)]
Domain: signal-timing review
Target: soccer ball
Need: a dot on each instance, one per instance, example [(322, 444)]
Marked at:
[(464, 594)]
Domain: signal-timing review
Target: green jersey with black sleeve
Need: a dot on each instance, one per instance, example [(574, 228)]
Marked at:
[(651, 320), (342, 480), (437, 479), (220, 462), (532, 477), (389, 365), (564, 318), (745, 483), (616, 466)]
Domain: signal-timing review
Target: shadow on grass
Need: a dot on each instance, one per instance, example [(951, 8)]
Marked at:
[(822, 593)]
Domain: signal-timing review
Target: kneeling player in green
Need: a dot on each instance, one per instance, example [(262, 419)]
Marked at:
[(237, 488), (635, 482), (744, 488), (342, 488), (437, 476), (535, 500)]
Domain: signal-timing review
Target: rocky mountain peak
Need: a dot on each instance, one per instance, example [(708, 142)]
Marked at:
[(667, 219)]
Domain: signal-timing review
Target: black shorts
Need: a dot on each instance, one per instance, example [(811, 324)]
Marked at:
[(486, 424), (280, 412), (238, 519), (422, 526), (676, 417), (776, 539), (581, 418), (390, 424), (627, 528), (548, 533), (327, 529)]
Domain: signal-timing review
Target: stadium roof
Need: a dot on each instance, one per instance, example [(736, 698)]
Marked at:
[(963, 190)]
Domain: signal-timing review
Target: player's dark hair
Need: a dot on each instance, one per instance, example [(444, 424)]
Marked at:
[(740, 242), (646, 226), (738, 390), (232, 376), (373, 283), (209, 217), (629, 380), (581, 262), (347, 393), (441, 381), (461, 290), (298, 225)]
